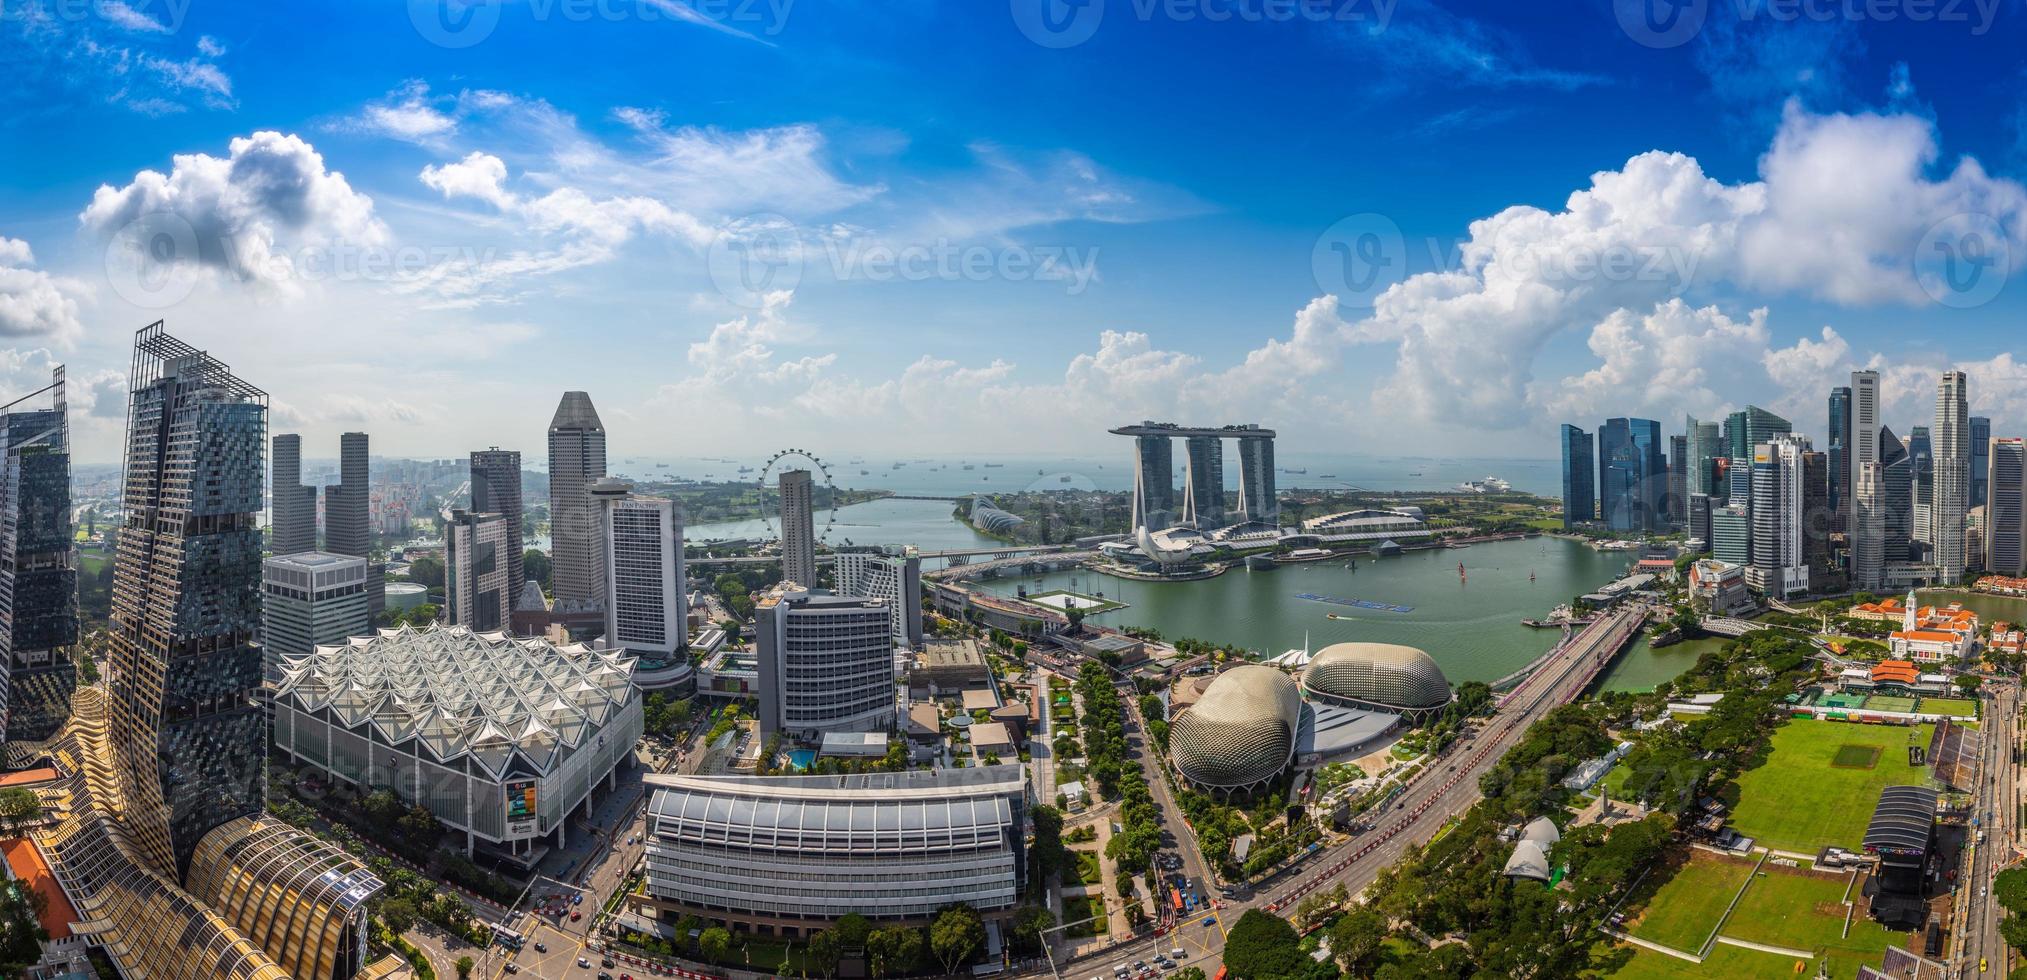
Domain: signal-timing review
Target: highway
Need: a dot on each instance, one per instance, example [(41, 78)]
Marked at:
[(1998, 817)]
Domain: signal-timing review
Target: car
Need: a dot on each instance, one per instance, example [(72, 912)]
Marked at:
[(574, 916), (577, 899), (581, 961), (602, 975), (1177, 953), (541, 947), (511, 968), (607, 961)]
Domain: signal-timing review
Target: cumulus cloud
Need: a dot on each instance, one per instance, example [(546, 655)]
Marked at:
[(1843, 202), (32, 302), (243, 214), (409, 113)]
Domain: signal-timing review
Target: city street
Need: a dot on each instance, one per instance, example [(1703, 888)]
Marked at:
[(1996, 847)]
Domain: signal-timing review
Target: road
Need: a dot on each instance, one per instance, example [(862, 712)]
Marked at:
[(1998, 816)]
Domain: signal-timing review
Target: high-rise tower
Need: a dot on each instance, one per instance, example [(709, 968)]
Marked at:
[(1256, 476), (1204, 482), (347, 528), (1861, 449), (292, 507), (2006, 508), (576, 460), (1840, 444), (496, 489), (1952, 443), (187, 727), (1579, 477), (798, 528), (38, 567)]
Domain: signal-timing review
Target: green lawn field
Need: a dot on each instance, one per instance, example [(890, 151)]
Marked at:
[(1803, 910), (1728, 962), (1679, 904), (1957, 707), (1800, 801), (1881, 702)]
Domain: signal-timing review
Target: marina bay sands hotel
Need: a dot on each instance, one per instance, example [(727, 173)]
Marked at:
[(1203, 504)]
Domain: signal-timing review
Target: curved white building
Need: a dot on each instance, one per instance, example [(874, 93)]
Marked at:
[(789, 855), (1241, 734), (1386, 676)]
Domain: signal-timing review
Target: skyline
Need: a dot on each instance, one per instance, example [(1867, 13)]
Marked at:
[(1068, 269)]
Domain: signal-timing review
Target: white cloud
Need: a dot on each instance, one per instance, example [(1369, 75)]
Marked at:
[(1675, 360), (120, 52), (408, 113), (32, 302), (243, 214)]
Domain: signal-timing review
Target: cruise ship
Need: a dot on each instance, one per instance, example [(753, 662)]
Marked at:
[(1490, 484)]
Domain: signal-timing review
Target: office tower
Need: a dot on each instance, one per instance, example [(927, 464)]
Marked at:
[(1706, 446), (1678, 479), (1921, 469), (1750, 428), (347, 528), (1862, 449), (1952, 475), (1153, 481), (496, 489), (1840, 444), (2005, 524), (1974, 538), (1731, 534), (1779, 497), (647, 595), (576, 459), (1896, 497), (475, 571), (895, 576), (292, 507), (1632, 475), (185, 668), (1866, 528), (1819, 519), (1579, 477), (1256, 476), (1981, 459), (38, 567), (1700, 506), (825, 663), (308, 599), (1204, 482), (798, 528)]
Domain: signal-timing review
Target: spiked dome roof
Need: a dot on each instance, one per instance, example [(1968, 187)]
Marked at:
[(459, 693)]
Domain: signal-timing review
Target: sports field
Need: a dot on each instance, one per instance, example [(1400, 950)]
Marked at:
[(1882, 702), (1804, 910), (1679, 903), (1729, 962), (1801, 799), (1957, 707)]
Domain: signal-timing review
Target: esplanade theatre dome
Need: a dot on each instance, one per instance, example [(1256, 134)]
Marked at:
[(1377, 675), (1241, 733)]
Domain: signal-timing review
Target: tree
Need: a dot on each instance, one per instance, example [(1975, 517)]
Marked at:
[(895, 949), (715, 943), (1357, 939), (19, 806), (1029, 925), (464, 967), (731, 628), (824, 951), (427, 570), (399, 914), (535, 564), (853, 930), (956, 936), (1263, 947), (1968, 682)]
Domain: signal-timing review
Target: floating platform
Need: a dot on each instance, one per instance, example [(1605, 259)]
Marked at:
[(1356, 603)]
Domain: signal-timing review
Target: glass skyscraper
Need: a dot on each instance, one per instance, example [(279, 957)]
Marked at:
[(1632, 475), (1981, 459), (1579, 476), (38, 568), (1839, 438)]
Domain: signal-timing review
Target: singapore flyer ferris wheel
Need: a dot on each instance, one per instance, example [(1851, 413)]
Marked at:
[(822, 519)]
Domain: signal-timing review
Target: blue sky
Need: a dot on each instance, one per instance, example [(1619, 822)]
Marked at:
[(918, 226)]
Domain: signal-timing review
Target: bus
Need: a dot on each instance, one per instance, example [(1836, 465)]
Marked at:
[(1175, 896), (1221, 972)]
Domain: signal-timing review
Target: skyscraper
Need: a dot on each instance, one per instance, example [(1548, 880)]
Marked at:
[(496, 489), (1866, 526), (1153, 481), (1706, 445), (38, 567), (1731, 534), (825, 662), (647, 594), (310, 598), (1921, 472), (1952, 439), (1981, 458), (475, 571), (895, 576), (576, 459), (1204, 482), (798, 528), (1861, 450), (292, 507), (2006, 508), (186, 673), (347, 528), (1840, 444), (1896, 498), (1632, 475), (1700, 506), (1790, 535), (1256, 477), (1579, 477), (1678, 479)]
